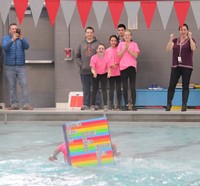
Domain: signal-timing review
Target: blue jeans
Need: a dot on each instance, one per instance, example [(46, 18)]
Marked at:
[(14, 73), (86, 80)]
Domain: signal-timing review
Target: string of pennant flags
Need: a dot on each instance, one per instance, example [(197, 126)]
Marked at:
[(100, 7)]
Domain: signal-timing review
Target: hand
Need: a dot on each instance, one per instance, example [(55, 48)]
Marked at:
[(171, 37), (52, 158), (94, 75), (21, 36), (125, 46), (15, 36), (190, 35)]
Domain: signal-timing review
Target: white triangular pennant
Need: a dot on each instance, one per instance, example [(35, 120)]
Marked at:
[(68, 9), (132, 9), (4, 9), (36, 9), (100, 10), (165, 8), (196, 7)]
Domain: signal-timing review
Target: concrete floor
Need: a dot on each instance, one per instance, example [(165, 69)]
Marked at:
[(142, 115)]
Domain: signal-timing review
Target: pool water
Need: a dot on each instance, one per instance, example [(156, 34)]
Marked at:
[(151, 154)]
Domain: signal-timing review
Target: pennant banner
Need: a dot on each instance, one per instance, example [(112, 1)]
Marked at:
[(181, 11), (165, 8), (68, 9), (148, 9), (196, 7), (20, 7), (36, 9), (100, 8), (52, 9), (100, 11), (4, 9), (84, 10), (116, 8), (132, 9)]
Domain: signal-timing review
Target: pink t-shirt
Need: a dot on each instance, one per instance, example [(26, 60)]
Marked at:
[(99, 64), (63, 149), (127, 60), (113, 59)]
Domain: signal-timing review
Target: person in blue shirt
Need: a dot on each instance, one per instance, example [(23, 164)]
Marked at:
[(14, 45)]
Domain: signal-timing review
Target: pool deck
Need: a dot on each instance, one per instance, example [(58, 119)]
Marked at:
[(142, 115)]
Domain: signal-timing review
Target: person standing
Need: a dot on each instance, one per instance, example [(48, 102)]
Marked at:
[(14, 45), (115, 78), (128, 52), (100, 71), (182, 64), (86, 50), (121, 28)]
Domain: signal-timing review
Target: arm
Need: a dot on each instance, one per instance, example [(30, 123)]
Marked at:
[(24, 41), (94, 72), (170, 44), (53, 156), (192, 43), (78, 57), (133, 54), (121, 53)]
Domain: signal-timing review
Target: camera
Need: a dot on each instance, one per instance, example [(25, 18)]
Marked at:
[(18, 31)]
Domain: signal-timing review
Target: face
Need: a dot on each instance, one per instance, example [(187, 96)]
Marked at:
[(101, 49), (121, 31), (127, 36), (113, 42), (89, 34), (12, 29), (183, 31)]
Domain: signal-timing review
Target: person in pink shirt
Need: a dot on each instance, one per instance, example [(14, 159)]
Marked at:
[(61, 148), (99, 68), (115, 79), (128, 52)]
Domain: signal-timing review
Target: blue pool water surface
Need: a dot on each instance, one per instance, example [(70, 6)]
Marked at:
[(151, 154)]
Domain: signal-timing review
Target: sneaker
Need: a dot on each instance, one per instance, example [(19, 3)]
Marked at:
[(168, 107), (84, 107), (125, 108), (184, 108), (92, 108), (119, 107), (134, 108), (112, 107), (105, 107), (14, 106), (96, 107), (26, 106)]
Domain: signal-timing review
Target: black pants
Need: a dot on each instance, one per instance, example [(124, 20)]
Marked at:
[(115, 81), (175, 75), (95, 86), (129, 74)]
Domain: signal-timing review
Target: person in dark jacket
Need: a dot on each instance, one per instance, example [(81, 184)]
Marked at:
[(86, 49), (14, 45)]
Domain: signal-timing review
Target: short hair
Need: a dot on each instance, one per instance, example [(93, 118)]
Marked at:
[(12, 24), (101, 45), (121, 26), (90, 28), (184, 25)]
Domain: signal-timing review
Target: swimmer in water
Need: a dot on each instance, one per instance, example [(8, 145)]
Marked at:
[(62, 148)]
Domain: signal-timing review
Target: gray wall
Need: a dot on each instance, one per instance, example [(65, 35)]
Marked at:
[(51, 83)]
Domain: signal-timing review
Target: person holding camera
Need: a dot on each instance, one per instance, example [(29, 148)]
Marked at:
[(14, 45)]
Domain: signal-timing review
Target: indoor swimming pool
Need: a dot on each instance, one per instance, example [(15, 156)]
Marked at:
[(151, 154)]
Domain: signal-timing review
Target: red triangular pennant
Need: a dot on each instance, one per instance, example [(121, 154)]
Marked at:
[(20, 8), (84, 10), (148, 9), (116, 8), (52, 9), (181, 11)]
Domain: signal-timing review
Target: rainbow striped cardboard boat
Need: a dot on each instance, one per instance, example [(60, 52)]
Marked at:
[(88, 142)]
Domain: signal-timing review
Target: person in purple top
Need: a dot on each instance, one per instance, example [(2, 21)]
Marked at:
[(182, 64)]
